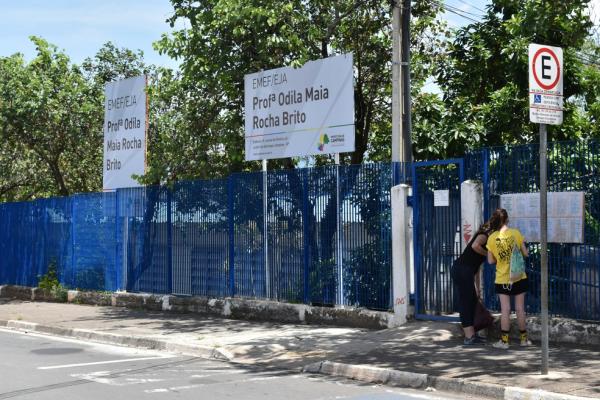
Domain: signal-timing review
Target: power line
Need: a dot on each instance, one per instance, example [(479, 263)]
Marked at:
[(587, 62), (587, 59), (471, 5), (594, 18), (590, 62), (590, 55), (460, 14), (463, 11)]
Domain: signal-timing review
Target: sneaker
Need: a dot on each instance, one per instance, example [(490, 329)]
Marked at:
[(500, 345), (480, 339), (473, 340), (526, 342), (469, 341)]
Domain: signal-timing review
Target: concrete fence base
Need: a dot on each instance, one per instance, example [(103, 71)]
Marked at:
[(234, 308)]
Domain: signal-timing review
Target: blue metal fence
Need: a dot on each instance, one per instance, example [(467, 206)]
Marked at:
[(436, 232), (574, 269), (32, 236), (92, 221), (208, 237)]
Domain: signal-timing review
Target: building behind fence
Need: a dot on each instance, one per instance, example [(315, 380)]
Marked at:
[(207, 237)]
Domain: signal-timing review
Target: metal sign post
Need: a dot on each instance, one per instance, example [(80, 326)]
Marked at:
[(338, 220), (545, 107), (266, 230), (544, 246)]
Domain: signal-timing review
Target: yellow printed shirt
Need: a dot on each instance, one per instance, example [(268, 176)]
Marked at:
[(501, 245)]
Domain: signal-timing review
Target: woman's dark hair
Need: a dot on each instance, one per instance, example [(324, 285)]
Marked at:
[(496, 221)]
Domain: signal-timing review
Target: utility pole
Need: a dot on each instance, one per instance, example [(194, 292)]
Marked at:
[(401, 100), (397, 145), (406, 96)]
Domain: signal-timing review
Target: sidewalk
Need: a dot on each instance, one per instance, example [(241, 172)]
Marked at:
[(431, 348)]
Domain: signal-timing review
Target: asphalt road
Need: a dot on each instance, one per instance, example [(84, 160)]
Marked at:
[(45, 367)]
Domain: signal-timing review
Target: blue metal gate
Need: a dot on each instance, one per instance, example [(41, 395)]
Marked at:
[(436, 235)]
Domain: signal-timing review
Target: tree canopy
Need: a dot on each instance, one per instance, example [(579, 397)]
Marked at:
[(227, 39), (51, 110), (484, 78), (50, 126)]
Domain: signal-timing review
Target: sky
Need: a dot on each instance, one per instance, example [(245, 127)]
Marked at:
[(465, 11), (81, 27)]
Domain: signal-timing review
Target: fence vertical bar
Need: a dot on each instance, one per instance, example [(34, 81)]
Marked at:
[(266, 229), (338, 224), (231, 233), (118, 276), (44, 256), (72, 199), (306, 236), (169, 242), (417, 249)]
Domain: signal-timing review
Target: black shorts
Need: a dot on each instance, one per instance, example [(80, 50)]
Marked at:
[(518, 287)]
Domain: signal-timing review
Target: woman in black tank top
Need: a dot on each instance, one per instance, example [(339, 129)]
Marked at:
[(465, 273)]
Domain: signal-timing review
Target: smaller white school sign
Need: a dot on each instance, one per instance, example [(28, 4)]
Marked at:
[(299, 112), (125, 116)]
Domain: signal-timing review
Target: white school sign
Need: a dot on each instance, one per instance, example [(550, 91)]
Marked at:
[(299, 112), (125, 116)]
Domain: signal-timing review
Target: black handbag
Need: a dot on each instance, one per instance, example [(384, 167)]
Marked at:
[(483, 318)]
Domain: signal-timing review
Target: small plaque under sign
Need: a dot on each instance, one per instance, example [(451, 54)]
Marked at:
[(441, 198)]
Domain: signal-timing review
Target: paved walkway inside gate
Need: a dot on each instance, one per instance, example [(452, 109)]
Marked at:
[(423, 347)]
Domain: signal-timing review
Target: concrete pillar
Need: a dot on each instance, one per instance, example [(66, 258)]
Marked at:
[(402, 253), (471, 210), (471, 214)]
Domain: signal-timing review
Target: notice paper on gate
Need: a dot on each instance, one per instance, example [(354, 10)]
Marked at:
[(441, 198), (566, 213)]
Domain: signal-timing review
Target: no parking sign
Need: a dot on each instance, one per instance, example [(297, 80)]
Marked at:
[(545, 84), (545, 107)]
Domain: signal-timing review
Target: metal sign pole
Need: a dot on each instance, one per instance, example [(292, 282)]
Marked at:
[(545, 107), (265, 230), (339, 233), (544, 246)]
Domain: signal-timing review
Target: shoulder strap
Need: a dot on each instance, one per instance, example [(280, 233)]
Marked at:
[(475, 237)]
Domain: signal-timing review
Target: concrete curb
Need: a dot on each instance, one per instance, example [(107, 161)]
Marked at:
[(120, 340), (363, 373), (370, 374), (517, 393), (392, 377)]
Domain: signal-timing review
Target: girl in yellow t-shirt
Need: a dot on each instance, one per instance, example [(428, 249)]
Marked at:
[(500, 245)]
